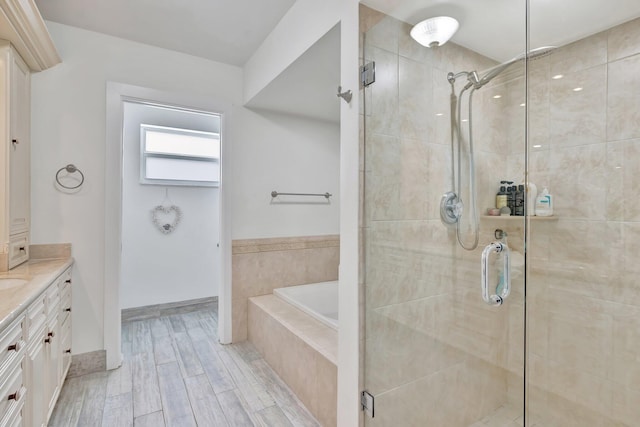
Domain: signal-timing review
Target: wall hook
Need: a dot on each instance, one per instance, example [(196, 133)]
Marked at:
[(347, 95)]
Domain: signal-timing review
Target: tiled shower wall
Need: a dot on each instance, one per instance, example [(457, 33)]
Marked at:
[(584, 296), (433, 349)]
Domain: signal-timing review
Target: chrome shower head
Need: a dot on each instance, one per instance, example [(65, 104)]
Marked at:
[(533, 54)]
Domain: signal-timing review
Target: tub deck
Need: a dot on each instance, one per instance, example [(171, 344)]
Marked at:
[(302, 350)]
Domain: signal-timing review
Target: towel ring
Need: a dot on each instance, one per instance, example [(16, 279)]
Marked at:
[(70, 169)]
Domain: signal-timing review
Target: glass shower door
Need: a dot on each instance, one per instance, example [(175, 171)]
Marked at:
[(583, 297), (435, 353)]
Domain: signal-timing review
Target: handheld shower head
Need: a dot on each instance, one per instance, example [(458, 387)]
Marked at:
[(533, 54)]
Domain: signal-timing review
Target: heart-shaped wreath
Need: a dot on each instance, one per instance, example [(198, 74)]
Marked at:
[(166, 219)]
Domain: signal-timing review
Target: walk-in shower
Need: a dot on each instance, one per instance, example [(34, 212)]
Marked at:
[(559, 346), (452, 205)]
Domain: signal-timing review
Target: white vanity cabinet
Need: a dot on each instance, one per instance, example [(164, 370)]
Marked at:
[(15, 155), (12, 384), (33, 370)]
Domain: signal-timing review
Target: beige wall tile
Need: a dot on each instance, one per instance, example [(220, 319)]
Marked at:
[(384, 118), (326, 391), (623, 104), (580, 55), (239, 319), (578, 117), (624, 40), (415, 100), (578, 181), (261, 266)]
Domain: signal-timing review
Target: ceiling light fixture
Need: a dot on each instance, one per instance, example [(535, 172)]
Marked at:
[(434, 32)]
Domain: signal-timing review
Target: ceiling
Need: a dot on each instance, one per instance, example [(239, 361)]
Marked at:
[(227, 31), (230, 31), (495, 28)]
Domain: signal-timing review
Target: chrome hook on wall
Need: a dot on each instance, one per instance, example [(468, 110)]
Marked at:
[(347, 95)]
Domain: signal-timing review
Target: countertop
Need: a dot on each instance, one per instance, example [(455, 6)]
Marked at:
[(40, 273)]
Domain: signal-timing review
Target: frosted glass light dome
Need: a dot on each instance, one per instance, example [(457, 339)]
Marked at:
[(435, 32)]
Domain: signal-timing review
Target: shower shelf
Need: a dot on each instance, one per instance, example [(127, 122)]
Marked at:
[(518, 218)]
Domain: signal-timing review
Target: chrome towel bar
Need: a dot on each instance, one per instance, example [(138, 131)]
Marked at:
[(276, 194)]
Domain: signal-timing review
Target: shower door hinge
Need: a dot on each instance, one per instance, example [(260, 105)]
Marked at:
[(368, 73), (367, 402)]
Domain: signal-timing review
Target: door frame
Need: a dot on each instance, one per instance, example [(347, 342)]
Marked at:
[(116, 95)]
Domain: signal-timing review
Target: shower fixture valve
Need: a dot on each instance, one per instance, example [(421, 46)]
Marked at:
[(450, 208)]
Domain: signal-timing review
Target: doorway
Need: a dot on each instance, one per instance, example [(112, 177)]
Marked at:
[(170, 206), (164, 211)]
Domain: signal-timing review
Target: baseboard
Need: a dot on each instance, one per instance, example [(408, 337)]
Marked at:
[(157, 310), (87, 363)]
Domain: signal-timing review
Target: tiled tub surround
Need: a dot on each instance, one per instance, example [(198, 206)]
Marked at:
[(431, 344), (300, 349), (261, 265)]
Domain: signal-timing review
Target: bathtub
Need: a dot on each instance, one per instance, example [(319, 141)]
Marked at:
[(318, 300)]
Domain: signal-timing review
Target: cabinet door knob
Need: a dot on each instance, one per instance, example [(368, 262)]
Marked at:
[(14, 396), (67, 281), (14, 347), (51, 334), (22, 249), (47, 340), (68, 351), (15, 142), (68, 309)]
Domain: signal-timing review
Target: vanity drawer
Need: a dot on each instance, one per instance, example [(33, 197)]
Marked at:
[(36, 317), (12, 344), (18, 249), (12, 393), (53, 300), (66, 347)]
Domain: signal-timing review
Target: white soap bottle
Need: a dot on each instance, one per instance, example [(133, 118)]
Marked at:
[(544, 203), (532, 194)]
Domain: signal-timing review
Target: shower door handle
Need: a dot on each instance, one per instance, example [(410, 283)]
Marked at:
[(499, 297)]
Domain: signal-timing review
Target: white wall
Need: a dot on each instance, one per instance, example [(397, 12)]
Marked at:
[(308, 20), (159, 268), (68, 126), (286, 154)]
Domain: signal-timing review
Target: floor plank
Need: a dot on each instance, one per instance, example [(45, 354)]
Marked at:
[(118, 411), (146, 393), (233, 410), (218, 376), (95, 393), (176, 373), (204, 403), (155, 419), (175, 402), (273, 417), (187, 356)]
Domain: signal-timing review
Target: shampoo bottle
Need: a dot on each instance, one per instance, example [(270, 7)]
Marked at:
[(544, 204), (501, 198)]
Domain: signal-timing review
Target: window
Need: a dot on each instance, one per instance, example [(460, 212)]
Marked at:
[(171, 156)]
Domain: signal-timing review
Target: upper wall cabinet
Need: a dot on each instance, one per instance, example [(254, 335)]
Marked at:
[(22, 25), (14, 139), (25, 46)]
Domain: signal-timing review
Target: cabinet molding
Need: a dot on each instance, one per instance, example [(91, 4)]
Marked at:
[(22, 25)]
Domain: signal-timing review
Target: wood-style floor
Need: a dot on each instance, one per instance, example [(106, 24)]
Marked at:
[(175, 373)]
